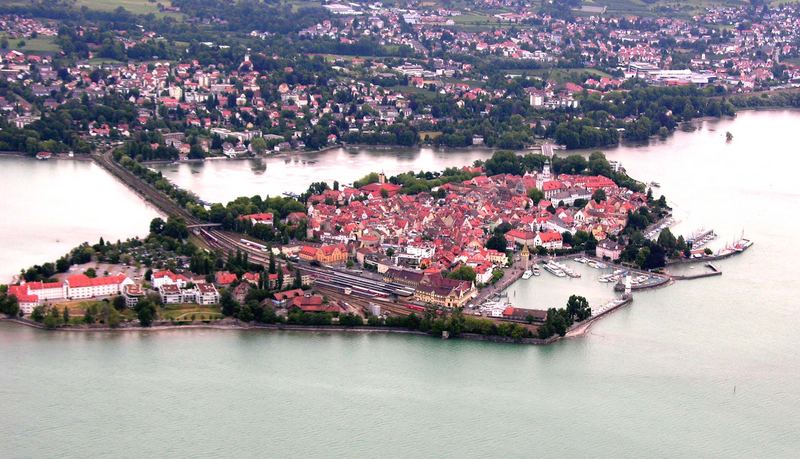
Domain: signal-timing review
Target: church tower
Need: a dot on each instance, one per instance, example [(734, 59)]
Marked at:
[(544, 176)]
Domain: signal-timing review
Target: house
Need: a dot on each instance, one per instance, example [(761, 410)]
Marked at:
[(224, 278), (165, 277), (313, 303), (521, 237), (206, 294), (524, 315), (608, 249), (377, 190), (26, 301), (285, 297), (259, 219), (252, 278), (483, 273), (170, 294), (550, 240), (132, 293)]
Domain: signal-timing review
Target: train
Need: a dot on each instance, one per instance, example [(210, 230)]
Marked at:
[(418, 308), (255, 245)]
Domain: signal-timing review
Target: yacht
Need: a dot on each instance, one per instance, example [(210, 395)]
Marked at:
[(527, 274), (536, 271)]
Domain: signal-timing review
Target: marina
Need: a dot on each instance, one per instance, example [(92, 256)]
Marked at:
[(701, 238)]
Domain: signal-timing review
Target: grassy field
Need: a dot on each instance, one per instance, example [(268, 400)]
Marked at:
[(134, 6), (558, 75), (683, 8), (40, 44), (190, 312)]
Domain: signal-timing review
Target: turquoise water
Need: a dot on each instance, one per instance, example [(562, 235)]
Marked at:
[(701, 368)]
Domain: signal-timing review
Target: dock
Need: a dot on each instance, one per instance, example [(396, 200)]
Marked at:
[(712, 271)]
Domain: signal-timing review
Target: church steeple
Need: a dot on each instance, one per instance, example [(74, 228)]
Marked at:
[(544, 176)]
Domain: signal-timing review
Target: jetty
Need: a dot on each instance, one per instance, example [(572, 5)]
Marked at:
[(712, 271)]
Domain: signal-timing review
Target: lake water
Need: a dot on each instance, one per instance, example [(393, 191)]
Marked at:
[(49, 207), (223, 181), (701, 368)]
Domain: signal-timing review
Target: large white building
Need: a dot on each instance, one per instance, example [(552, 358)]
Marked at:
[(206, 294), (167, 277), (82, 286), (47, 290)]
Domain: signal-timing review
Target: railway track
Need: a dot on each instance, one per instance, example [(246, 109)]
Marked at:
[(148, 192)]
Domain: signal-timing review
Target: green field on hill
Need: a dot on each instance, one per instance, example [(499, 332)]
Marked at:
[(34, 45), (134, 6)]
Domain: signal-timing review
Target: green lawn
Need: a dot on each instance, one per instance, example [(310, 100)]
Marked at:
[(558, 75), (189, 312), (659, 7), (40, 44), (134, 6)]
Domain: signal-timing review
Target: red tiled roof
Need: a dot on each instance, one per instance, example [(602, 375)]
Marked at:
[(21, 293), (225, 278), (82, 280)]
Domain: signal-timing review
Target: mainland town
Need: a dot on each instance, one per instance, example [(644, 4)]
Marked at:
[(427, 252)]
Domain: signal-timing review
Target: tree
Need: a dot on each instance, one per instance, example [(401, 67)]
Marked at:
[(245, 313), (37, 315), (599, 195), (536, 195), (504, 162), (91, 272), (463, 272), (667, 240), (497, 242), (9, 305), (53, 318), (228, 304), (145, 312), (578, 308), (65, 316), (157, 225), (119, 302), (298, 279), (259, 145)]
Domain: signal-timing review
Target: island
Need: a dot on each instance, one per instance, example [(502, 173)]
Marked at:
[(420, 252)]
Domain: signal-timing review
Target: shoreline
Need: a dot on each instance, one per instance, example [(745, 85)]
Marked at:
[(278, 328)]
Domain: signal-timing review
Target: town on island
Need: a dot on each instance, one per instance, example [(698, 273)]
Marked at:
[(428, 252)]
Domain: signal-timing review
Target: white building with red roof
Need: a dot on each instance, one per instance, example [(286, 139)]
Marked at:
[(83, 286), (25, 300), (265, 218), (47, 290), (550, 240), (167, 277)]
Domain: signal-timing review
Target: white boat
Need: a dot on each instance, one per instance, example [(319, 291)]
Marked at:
[(536, 271), (527, 274), (554, 270)]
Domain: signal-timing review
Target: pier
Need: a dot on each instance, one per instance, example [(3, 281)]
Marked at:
[(712, 271)]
